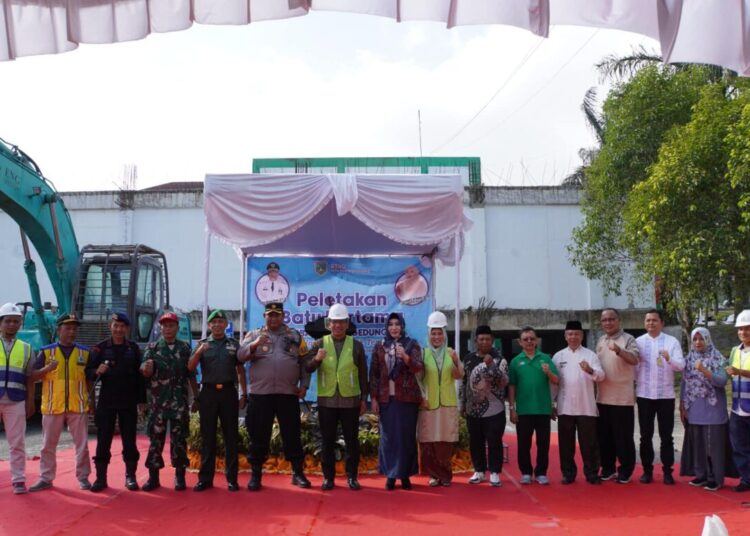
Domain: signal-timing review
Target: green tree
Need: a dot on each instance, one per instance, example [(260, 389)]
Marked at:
[(683, 221), (636, 117)]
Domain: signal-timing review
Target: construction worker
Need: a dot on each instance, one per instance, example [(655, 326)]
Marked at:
[(16, 391), (342, 393), (65, 401)]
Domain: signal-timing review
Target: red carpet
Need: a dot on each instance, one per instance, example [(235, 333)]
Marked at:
[(579, 509)]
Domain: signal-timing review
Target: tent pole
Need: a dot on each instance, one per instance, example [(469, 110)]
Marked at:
[(243, 289), (457, 313), (206, 263)]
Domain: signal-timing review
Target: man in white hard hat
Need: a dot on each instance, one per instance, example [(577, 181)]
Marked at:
[(739, 421), (16, 391), (342, 393)]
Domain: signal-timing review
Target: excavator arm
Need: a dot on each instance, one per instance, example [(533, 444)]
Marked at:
[(34, 204)]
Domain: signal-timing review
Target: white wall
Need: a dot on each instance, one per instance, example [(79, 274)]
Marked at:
[(515, 254)]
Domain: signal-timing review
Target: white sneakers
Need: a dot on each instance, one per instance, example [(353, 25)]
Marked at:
[(543, 480), (525, 479), (476, 478), (495, 480)]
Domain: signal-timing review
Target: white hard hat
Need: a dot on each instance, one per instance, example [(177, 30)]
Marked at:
[(10, 309), (338, 311), (437, 320), (743, 319)]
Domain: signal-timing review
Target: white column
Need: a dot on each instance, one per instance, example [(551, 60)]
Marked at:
[(206, 263)]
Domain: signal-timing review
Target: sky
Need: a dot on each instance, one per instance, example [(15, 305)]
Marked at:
[(208, 100)]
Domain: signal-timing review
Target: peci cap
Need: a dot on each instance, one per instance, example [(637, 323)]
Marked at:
[(275, 308), (273, 266), (169, 316), (573, 325), (217, 313), (483, 330), (119, 316), (68, 319)]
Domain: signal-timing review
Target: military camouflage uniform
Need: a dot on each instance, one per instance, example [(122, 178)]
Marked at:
[(169, 402)]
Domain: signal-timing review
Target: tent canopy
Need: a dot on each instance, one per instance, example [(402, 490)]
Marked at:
[(696, 31), (337, 214)]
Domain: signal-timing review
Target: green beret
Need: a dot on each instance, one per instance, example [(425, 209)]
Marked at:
[(218, 313)]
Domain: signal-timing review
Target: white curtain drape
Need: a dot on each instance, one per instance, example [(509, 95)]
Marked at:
[(698, 31), (248, 211)]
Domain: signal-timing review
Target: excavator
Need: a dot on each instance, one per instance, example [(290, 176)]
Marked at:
[(93, 281)]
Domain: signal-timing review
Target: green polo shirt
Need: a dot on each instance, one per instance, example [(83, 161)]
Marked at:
[(532, 385)]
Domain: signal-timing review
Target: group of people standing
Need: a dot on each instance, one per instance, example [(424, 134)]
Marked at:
[(412, 388)]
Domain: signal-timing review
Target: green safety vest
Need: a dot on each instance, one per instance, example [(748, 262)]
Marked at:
[(440, 391), (339, 370)]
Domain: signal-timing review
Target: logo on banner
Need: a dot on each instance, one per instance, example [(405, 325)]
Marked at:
[(411, 287), (321, 267)]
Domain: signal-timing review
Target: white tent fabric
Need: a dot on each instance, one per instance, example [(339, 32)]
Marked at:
[(340, 213), (698, 31)]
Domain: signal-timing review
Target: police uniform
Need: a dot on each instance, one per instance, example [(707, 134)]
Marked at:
[(65, 400), (218, 400), (169, 404), (122, 389), (277, 371)]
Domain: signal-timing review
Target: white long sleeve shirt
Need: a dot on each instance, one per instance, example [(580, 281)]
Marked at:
[(655, 375), (575, 394)]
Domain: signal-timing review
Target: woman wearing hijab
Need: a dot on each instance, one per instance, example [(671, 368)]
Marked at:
[(395, 392), (703, 411), (437, 424)]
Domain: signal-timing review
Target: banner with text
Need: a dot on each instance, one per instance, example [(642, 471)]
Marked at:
[(371, 288)]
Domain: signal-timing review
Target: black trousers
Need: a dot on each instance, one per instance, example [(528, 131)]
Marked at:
[(614, 429), (105, 428), (329, 418), (663, 410), (222, 405), (585, 426), (486, 442), (261, 411), (527, 426)]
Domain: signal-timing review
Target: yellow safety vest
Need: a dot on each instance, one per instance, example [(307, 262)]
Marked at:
[(13, 370), (64, 389), (339, 370), (440, 385), (740, 386)]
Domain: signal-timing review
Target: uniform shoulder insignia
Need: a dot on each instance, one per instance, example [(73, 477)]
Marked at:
[(49, 346)]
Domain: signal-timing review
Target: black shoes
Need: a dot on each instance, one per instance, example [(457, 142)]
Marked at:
[(698, 482), (390, 484), (354, 484), (153, 480), (203, 486), (101, 478), (646, 478), (254, 484), (568, 480), (668, 479), (130, 482), (405, 483), (300, 480), (595, 480), (608, 475), (233, 486), (179, 479), (327, 484), (742, 486)]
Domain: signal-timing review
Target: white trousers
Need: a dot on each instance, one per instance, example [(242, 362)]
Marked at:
[(52, 426), (13, 417)]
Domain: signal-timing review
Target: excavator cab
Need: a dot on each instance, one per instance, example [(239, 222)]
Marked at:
[(130, 279)]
